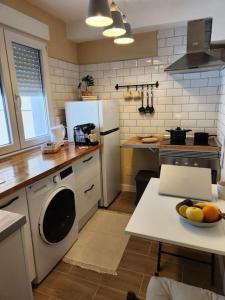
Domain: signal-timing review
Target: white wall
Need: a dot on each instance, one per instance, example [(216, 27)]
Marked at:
[(186, 100)]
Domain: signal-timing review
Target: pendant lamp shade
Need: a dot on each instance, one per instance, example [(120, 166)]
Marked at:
[(99, 14), (127, 38), (117, 28)]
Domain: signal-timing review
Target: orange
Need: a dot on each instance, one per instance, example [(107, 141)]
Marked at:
[(211, 213)]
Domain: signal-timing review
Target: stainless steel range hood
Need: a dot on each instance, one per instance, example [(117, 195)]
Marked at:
[(199, 56)]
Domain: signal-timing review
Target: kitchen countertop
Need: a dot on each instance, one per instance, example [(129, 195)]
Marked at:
[(9, 223), (135, 142), (22, 169)]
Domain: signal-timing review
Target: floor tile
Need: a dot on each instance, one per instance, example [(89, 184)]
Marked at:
[(67, 287), (39, 296), (64, 267), (124, 203), (138, 245), (105, 293), (125, 280), (144, 285), (138, 263), (87, 275)]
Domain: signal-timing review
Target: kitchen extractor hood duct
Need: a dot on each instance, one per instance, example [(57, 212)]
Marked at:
[(199, 57)]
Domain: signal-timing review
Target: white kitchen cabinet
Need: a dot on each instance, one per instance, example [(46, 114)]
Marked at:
[(17, 203), (86, 168), (88, 189), (14, 277)]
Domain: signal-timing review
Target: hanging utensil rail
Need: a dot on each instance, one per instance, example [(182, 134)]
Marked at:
[(137, 85)]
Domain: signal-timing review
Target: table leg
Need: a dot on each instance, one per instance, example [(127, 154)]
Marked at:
[(212, 268), (159, 259)]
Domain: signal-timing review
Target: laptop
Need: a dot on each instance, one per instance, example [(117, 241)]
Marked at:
[(186, 182)]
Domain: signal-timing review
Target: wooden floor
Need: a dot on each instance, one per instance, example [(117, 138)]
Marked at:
[(138, 264)]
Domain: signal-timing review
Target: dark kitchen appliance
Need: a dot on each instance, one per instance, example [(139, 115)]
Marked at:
[(202, 138), (178, 135), (200, 56), (84, 135)]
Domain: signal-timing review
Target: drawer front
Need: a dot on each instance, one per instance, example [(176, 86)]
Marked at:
[(86, 168), (88, 196)]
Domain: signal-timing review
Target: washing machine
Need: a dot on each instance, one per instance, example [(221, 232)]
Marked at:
[(52, 209)]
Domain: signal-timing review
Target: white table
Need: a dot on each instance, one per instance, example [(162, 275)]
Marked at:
[(156, 218)]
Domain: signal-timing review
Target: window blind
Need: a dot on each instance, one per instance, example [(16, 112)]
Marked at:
[(28, 70)]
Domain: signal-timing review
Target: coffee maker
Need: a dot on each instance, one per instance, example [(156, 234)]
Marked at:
[(84, 136)]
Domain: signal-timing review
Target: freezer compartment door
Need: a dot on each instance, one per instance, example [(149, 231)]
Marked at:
[(108, 115), (81, 112), (110, 167)]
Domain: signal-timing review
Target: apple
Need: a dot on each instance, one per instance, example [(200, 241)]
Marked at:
[(195, 214)]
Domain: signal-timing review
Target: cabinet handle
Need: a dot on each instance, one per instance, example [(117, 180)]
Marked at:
[(88, 190), (88, 159), (8, 203)]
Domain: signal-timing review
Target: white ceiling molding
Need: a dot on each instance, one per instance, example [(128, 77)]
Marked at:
[(22, 22)]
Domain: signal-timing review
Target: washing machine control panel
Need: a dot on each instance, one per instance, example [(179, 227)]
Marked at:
[(56, 179)]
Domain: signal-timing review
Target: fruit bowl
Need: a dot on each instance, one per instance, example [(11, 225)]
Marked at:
[(198, 204)]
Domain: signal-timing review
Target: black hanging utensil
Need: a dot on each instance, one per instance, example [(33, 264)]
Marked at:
[(152, 110), (142, 109), (148, 108)]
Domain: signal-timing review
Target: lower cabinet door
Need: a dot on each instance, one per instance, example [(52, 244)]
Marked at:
[(88, 196)]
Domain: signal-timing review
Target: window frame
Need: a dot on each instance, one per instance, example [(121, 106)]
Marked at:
[(8, 97), (13, 36)]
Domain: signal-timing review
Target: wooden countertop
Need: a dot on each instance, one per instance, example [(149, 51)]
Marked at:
[(135, 142), (25, 168)]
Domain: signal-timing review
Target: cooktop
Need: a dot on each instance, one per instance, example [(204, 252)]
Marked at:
[(190, 142)]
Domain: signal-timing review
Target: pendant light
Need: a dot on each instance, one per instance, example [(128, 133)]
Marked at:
[(127, 38), (99, 14), (117, 28)]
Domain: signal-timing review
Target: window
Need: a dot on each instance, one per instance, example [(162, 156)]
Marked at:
[(5, 135), (29, 80), (24, 108)]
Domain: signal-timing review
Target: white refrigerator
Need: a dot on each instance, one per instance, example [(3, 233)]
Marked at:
[(105, 115)]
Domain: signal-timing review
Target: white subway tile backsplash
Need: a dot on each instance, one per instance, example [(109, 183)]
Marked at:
[(130, 63), (165, 51), (197, 115), (210, 74), (192, 75), (180, 115), (174, 92), (174, 41), (180, 49), (199, 82), (161, 43), (181, 30), (189, 107), (205, 123), (191, 92), (180, 100), (165, 33), (207, 107), (208, 90)]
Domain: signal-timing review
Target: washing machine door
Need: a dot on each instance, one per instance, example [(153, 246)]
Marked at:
[(57, 216)]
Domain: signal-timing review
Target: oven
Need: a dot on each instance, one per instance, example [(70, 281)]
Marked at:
[(201, 159)]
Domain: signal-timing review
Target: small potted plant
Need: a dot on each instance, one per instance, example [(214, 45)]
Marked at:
[(88, 80)]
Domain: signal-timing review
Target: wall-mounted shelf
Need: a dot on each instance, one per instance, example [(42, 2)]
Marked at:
[(156, 84)]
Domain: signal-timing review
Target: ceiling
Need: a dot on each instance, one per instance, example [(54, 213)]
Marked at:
[(144, 15)]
